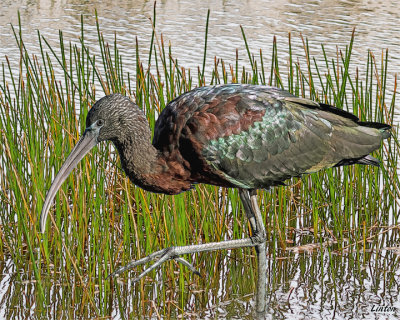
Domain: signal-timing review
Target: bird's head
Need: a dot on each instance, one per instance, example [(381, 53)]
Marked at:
[(108, 119), (112, 116)]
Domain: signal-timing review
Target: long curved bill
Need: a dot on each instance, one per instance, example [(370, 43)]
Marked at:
[(87, 141)]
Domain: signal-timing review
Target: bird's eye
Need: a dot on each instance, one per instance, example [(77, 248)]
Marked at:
[(100, 122)]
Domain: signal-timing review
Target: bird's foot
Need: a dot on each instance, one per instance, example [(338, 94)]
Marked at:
[(159, 257), (175, 252)]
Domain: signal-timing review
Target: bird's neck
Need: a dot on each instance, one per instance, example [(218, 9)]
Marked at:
[(147, 167)]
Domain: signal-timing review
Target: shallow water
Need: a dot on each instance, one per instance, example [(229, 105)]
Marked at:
[(183, 24), (300, 285)]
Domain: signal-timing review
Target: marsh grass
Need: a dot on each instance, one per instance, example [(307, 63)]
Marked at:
[(346, 216)]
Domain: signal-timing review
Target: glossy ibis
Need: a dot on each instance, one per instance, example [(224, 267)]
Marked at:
[(237, 136)]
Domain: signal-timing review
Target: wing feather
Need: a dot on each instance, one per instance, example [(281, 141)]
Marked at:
[(258, 136)]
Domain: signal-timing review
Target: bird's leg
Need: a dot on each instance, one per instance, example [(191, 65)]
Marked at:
[(257, 239), (249, 200), (174, 253)]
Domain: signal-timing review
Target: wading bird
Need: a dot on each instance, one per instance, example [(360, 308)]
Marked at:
[(236, 136)]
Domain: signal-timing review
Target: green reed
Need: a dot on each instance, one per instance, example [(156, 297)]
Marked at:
[(101, 221)]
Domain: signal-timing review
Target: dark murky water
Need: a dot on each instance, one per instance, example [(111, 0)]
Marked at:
[(298, 286)]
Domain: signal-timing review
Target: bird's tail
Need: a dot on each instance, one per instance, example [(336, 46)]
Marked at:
[(384, 132), (382, 127), (369, 160)]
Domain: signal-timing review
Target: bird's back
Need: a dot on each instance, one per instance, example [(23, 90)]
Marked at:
[(257, 136)]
